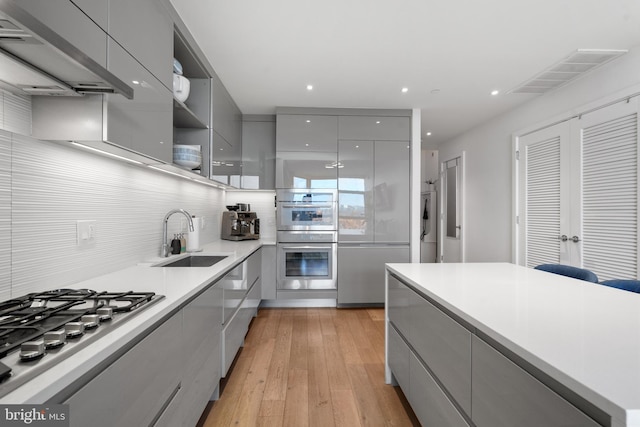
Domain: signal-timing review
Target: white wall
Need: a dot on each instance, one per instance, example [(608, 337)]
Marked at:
[(488, 184), (46, 187)]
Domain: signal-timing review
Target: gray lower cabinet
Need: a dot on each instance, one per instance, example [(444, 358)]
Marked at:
[(430, 404), (242, 296), (268, 272), (201, 354), (139, 386), (361, 271), (454, 377), (444, 345), (504, 395)]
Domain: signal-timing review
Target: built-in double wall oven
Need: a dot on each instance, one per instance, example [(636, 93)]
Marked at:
[(306, 239)]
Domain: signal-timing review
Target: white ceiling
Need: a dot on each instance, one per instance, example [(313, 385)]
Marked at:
[(360, 53)]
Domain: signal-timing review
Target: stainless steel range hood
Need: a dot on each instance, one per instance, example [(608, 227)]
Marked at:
[(35, 60)]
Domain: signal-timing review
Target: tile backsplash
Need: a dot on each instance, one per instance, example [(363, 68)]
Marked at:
[(45, 188)]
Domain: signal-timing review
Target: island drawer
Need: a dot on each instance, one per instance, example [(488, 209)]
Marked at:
[(430, 403), (506, 395)]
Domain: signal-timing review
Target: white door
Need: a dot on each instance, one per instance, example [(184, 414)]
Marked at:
[(604, 231), (451, 218), (543, 196), (578, 193)]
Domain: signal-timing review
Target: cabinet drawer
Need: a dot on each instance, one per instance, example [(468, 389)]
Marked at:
[(139, 385), (399, 297), (307, 133), (506, 395), (430, 404), (398, 354), (233, 338), (374, 128), (444, 345)]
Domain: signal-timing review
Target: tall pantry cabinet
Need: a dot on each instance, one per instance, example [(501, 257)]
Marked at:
[(374, 199)]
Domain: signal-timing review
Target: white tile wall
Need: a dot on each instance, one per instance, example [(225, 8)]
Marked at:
[(5, 214), (51, 186)]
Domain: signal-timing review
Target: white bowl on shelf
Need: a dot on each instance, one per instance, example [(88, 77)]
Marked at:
[(188, 156), (181, 87)]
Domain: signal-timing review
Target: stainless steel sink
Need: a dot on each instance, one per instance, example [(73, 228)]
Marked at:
[(195, 261)]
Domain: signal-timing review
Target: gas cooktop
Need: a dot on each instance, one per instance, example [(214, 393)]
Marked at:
[(40, 329)]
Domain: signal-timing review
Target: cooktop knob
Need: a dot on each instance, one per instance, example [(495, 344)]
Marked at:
[(105, 313), (90, 321), (55, 339), (74, 329), (31, 350)]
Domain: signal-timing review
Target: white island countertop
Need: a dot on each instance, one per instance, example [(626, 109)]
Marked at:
[(584, 335), (178, 285)]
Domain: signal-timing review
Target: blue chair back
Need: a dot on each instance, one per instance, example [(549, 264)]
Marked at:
[(569, 271), (627, 285)]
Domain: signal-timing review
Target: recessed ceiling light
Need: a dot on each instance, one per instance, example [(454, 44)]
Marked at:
[(405, 89), (309, 87), (428, 133), (308, 121), (495, 92), (306, 145), (435, 91), (377, 122)]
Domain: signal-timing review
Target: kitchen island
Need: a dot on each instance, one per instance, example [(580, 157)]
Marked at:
[(496, 344), (163, 363)]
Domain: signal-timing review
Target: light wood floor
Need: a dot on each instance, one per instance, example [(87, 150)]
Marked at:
[(311, 367)]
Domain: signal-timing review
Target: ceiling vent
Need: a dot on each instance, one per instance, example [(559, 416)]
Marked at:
[(578, 63)]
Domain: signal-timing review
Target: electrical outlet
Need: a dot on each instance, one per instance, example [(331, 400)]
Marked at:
[(86, 233)]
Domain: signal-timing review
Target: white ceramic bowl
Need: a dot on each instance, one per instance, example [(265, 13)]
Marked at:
[(181, 87), (187, 155)]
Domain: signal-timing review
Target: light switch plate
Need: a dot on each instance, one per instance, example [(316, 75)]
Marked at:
[(86, 233)]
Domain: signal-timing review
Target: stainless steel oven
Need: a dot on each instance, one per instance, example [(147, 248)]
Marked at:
[(305, 209), (306, 260)]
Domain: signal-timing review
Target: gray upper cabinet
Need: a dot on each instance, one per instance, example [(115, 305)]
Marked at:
[(145, 30), (306, 151), (143, 125), (375, 128), (97, 10), (355, 191), (391, 191), (373, 191), (227, 118), (307, 133), (226, 155), (258, 152), (71, 23)]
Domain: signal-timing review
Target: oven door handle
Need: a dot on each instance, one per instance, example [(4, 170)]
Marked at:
[(307, 205), (324, 246)]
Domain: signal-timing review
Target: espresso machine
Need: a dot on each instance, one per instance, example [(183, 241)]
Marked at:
[(239, 223)]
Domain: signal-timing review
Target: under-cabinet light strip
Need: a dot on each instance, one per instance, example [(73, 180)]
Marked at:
[(106, 153)]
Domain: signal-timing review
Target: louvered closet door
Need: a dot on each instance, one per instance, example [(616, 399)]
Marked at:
[(543, 182), (607, 225)]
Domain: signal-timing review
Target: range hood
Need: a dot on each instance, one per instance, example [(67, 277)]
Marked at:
[(35, 60)]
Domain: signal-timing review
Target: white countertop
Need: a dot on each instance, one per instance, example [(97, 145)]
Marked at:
[(178, 285), (584, 335)]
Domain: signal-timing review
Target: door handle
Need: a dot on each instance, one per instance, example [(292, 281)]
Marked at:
[(563, 238), (575, 239)]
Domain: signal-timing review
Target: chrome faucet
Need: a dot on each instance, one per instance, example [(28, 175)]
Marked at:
[(165, 244)]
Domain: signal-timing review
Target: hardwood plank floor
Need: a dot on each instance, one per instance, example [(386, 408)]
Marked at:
[(311, 367)]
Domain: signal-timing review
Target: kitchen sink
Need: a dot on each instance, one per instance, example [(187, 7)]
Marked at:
[(195, 261)]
